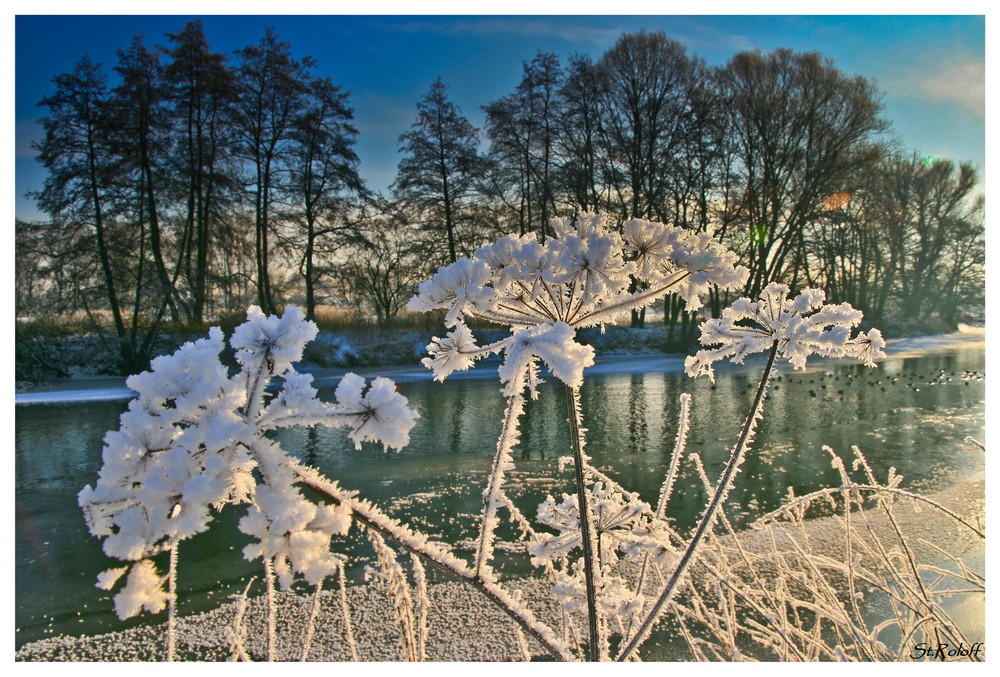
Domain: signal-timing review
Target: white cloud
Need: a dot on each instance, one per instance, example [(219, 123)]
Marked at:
[(601, 37), (958, 79), (963, 83)]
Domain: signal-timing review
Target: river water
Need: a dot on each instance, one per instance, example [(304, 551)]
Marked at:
[(912, 413)]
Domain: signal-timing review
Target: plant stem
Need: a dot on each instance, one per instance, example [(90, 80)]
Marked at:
[(372, 518), (172, 604), (586, 527), (493, 496), (668, 485), (269, 581), (345, 612), (735, 459), (311, 625)]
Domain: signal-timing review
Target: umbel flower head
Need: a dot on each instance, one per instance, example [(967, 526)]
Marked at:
[(579, 278), (193, 440), (802, 326)]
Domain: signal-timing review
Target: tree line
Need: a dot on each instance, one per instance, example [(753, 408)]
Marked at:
[(203, 182)]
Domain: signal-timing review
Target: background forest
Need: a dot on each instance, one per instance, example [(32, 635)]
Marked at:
[(184, 185)]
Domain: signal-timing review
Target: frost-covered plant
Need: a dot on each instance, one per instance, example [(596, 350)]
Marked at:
[(790, 592), (586, 275), (589, 275), (801, 326), (579, 278), (797, 328), (193, 441)]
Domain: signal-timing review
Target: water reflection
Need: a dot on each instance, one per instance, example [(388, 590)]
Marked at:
[(911, 414)]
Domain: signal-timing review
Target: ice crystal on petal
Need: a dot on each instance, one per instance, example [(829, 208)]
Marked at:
[(384, 417), (461, 288), (279, 339), (868, 347), (802, 326), (107, 579), (622, 523), (615, 599), (457, 351)]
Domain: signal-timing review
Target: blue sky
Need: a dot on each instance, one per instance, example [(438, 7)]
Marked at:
[(930, 68)]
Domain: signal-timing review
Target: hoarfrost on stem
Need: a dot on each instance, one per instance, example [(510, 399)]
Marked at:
[(192, 442), (586, 275)]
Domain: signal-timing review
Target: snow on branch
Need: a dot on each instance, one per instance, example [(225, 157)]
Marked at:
[(192, 442)]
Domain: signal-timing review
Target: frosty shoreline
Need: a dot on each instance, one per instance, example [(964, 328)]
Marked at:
[(462, 627), (91, 389)]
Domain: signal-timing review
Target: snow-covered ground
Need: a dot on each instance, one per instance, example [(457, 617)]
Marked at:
[(462, 625), (110, 388)]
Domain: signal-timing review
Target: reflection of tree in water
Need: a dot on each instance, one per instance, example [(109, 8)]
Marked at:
[(456, 405), (311, 447), (637, 425)]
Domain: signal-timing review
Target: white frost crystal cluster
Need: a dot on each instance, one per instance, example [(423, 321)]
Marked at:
[(193, 441), (626, 528), (624, 524), (802, 326), (579, 278)]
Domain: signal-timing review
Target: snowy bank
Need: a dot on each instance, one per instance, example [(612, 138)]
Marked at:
[(93, 389)]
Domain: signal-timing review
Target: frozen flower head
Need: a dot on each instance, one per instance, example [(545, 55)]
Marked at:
[(193, 441), (279, 339), (581, 277), (663, 254), (622, 523), (801, 326)]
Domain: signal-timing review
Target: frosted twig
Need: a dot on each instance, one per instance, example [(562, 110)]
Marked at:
[(735, 459), (311, 624), (502, 462), (399, 593), (271, 611), (345, 612), (172, 604), (237, 631), (368, 515), (874, 488), (973, 441), (522, 644), (590, 561), (423, 606)]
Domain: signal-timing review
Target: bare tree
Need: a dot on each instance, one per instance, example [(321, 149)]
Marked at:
[(438, 171), (139, 133), (646, 113), (798, 128), (581, 154), (382, 268), (81, 195), (522, 128), (271, 85), (934, 230), (201, 91), (324, 167)]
